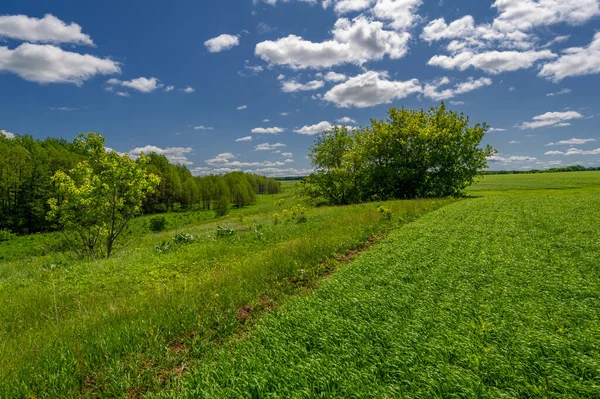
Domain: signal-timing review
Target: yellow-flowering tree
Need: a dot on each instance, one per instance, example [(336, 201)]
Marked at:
[(99, 196)]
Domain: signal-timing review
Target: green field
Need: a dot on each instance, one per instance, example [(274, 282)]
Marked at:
[(496, 295)]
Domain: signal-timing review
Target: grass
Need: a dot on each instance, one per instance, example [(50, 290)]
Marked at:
[(126, 325), (492, 297)]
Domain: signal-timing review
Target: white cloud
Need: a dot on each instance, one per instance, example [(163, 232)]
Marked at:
[(202, 127), (221, 159), (346, 119), (493, 62), (369, 89), (315, 129), (575, 61), (6, 134), (247, 138), (287, 154), (122, 94), (347, 6), (48, 29), (241, 107), (496, 129), (169, 88), (457, 102), (50, 64), (175, 155), (335, 77), (292, 86), (268, 130), (526, 14), (574, 151), (572, 141), (266, 120), (401, 13), (559, 93), (551, 119), (431, 89), (268, 147), (145, 85), (511, 159), (355, 42), (188, 90), (280, 76), (557, 40), (514, 142), (221, 43), (284, 113)]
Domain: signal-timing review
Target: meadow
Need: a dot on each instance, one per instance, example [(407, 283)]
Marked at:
[(494, 295)]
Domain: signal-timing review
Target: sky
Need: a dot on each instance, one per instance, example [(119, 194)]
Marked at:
[(247, 84)]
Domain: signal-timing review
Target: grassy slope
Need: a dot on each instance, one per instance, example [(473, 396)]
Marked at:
[(493, 297), (128, 324)]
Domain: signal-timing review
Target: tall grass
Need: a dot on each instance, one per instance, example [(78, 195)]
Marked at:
[(126, 325)]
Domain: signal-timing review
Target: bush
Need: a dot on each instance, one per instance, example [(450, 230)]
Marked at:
[(225, 231), (163, 247), (385, 213), (158, 224), (412, 154), (6, 235), (184, 238)]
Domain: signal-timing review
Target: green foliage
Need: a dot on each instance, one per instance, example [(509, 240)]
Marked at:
[(225, 231), (184, 239), (97, 199), (157, 224), (6, 235), (385, 212), (163, 247), (412, 154)]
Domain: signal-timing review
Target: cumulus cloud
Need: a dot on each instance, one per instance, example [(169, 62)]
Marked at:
[(246, 138), (6, 134), (572, 141), (575, 61), (220, 159), (145, 85), (292, 86), (175, 155), (241, 107), (221, 43), (493, 62), (268, 147), (510, 159), (496, 129), (48, 29), (202, 127), (268, 130), (287, 154), (354, 41), (526, 14), (575, 151), (369, 89), (314, 129), (169, 88), (50, 64), (335, 77), (431, 90), (346, 120), (188, 90), (551, 119)]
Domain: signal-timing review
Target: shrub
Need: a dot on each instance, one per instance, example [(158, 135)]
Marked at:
[(385, 213), (225, 231), (158, 224), (184, 238), (6, 235), (163, 247)]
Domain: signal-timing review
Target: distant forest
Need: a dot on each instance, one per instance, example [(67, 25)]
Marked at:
[(27, 165), (574, 168)]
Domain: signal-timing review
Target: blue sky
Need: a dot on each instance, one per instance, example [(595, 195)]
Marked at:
[(243, 84)]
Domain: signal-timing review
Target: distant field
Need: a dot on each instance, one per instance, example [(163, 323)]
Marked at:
[(491, 297), (527, 184)]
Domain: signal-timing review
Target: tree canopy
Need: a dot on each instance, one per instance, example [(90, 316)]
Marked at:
[(411, 154)]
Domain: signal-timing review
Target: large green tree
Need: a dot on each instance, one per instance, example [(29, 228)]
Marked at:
[(98, 197), (434, 153)]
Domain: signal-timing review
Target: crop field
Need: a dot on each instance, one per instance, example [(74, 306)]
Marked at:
[(494, 295)]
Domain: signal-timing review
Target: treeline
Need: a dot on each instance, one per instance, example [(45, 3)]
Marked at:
[(27, 166), (573, 168)]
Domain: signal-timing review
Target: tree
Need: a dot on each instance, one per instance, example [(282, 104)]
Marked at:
[(98, 198), (411, 154)]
